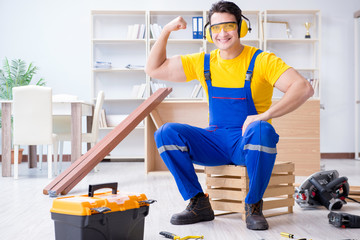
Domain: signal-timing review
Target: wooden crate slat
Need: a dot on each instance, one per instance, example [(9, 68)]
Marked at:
[(226, 194), (229, 170), (227, 182), (281, 179), (283, 167), (278, 191), (227, 206), (355, 188)]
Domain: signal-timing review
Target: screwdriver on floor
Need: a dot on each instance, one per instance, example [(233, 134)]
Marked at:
[(175, 237)]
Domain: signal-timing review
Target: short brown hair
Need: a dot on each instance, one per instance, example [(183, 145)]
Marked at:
[(226, 7)]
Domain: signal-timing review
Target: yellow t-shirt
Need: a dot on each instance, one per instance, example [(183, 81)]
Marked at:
[(231, 73)]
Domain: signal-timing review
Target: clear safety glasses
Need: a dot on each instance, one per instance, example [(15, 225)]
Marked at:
[(227, 26)]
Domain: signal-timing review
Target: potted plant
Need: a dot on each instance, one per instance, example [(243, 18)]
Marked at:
[(14, 75)]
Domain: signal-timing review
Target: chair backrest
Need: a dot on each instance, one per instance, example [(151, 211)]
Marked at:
[(64, 97), (97, 112), (32, 112), (62, 124)]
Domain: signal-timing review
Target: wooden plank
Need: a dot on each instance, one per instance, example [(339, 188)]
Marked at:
[(278, 191), (229, 194), (156, 119), (6, 139), (281, 179), (229, 170), (354, 188), (356, 197), (80, 168), (227, 205), (226, 182), (283, 167)]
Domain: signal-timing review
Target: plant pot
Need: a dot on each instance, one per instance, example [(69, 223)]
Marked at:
[(20, 155)]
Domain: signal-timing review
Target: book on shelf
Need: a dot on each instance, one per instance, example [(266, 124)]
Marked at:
[(132, 66), (103, 65), (196, 92), (154, 86), (197, 27), (139, 91), (155, 30), (136, 31), (315, 84)]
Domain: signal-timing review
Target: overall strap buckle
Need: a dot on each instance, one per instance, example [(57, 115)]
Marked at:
[(250, 70), (207, 66)]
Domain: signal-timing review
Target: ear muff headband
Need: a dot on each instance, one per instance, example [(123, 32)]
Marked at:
[(244, 29)]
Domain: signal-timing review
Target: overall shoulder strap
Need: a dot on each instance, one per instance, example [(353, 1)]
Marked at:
[(250, 70), (207, 66)]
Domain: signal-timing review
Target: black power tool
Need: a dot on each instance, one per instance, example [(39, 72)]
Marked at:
[(324, 188), (344, 220)]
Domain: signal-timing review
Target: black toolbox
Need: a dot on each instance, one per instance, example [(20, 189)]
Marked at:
[(100, 216)]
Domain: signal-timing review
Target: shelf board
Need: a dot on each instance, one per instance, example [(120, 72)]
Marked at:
[(124, 157), (111, 128), (292, 11), (112, 12), (200, 41), (122, 99), (177, 13), (295, 40), (119, 70), (117, 41)]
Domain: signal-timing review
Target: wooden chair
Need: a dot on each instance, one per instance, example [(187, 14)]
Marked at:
[(62, 127)]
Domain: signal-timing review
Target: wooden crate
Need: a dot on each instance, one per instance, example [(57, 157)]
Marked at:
[(228, 186)]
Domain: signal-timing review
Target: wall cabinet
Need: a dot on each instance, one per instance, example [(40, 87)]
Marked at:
[(113, 41)]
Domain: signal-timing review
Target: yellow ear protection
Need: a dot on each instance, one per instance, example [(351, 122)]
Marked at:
[(242, 30)]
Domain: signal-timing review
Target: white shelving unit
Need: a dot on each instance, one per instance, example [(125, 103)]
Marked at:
[(356, 82), (284, 34), (110, 43)]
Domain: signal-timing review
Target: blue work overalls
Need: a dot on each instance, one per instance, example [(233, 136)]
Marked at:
[(222, 143)]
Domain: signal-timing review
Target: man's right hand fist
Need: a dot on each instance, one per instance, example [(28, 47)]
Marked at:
[(175, 25)]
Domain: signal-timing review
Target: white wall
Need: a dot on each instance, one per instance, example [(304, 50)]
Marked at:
[(55, 35)]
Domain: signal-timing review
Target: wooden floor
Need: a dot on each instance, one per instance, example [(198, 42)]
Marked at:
[(25, 211)]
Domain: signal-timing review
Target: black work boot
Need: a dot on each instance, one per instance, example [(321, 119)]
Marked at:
[(255, 219), (199, 209)]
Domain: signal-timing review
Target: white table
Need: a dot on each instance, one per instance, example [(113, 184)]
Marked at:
[(75, 109)]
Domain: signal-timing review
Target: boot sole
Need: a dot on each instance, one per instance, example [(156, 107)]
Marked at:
[(257, 227), (193, 220)]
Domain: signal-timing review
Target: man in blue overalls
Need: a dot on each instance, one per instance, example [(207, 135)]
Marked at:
[(239, 81)]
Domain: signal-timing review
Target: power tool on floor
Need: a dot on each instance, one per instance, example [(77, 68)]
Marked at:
[(323, 188), (344, 220)]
